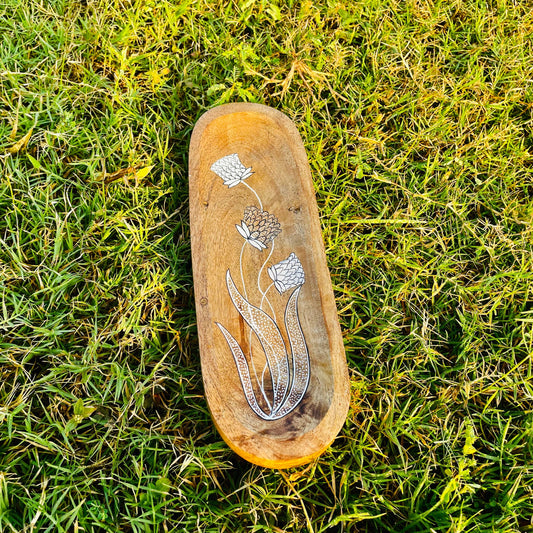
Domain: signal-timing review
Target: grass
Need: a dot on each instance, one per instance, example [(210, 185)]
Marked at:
[(417, 119)]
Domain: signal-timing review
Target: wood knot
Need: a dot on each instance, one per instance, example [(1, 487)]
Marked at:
[(203, 301), (294, 208)]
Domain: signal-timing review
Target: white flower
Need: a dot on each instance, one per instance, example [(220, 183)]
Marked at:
[(287, 273), (258, 227), (231, 170)]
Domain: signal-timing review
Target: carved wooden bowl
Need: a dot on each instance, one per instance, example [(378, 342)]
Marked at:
[(271, 349)]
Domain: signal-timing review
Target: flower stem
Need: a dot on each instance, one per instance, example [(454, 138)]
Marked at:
[(261, 384), (256, 195), (259, 284), (242, 274), (268, 301)]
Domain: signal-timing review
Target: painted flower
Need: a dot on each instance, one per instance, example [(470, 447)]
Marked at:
[(258, 227), (231, 170), (287, 273)]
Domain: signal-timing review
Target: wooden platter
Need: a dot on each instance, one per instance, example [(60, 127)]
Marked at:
[(271, 349)]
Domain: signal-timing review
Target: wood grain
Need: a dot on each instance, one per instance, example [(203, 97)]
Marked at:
[(268, 142)]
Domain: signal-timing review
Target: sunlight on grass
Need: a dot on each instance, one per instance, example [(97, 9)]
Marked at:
[(416, 117)]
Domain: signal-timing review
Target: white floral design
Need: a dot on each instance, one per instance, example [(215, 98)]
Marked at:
[(287, 366), (231, 170), (287, 274), (258, 227)]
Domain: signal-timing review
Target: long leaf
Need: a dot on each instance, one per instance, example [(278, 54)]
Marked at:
[(300, 357), (244, 371), (270, 338)]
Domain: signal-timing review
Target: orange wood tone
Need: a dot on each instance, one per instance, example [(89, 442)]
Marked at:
[(247, 323)]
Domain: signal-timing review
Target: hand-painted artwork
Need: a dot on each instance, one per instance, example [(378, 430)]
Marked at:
[(276, 389)]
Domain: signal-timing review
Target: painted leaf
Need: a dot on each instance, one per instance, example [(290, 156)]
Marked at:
[(270, 338), (244, 371), (300, 357)]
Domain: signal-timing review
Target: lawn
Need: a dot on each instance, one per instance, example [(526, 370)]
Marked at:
[(417, 119)]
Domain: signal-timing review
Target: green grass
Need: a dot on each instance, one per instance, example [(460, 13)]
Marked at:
[(417, 120)]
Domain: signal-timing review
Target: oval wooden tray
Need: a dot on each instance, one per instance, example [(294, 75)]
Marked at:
[(271, 349)]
